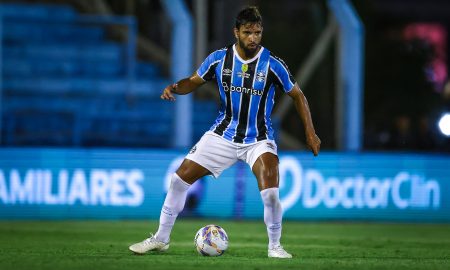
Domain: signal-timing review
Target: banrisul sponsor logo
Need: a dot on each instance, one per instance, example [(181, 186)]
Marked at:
[(240, 89), (311, 188), (116, 187)]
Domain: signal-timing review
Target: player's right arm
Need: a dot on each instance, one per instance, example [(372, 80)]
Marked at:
[(182, 87), (204, 73)]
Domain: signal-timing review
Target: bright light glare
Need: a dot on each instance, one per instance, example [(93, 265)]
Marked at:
[(444, 124)]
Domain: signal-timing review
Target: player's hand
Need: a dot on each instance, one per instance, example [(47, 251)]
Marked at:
[(313, 143), (168, 92)]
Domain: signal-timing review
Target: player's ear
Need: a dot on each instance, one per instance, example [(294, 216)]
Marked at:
[(236, 32)]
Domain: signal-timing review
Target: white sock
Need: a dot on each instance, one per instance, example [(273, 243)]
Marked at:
[(173, 205), (272, 215)]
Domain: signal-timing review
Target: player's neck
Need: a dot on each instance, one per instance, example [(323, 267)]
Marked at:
[(246, 55)]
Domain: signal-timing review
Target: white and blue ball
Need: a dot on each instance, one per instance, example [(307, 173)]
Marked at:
[(211, 240)]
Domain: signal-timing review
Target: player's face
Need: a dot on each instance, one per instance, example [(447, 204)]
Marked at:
[(249, 37)]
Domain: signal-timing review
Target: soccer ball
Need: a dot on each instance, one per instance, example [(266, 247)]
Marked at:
[(211, 240)]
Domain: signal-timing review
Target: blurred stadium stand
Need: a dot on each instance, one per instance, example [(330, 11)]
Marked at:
[(67, 83)]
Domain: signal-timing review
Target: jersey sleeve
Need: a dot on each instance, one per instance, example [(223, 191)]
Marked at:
[(283, 77), (206, 71)]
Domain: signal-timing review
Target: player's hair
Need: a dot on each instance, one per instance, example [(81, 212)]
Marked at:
[(249, 14)]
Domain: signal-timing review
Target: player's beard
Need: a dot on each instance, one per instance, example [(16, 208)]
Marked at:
[(248, 51)]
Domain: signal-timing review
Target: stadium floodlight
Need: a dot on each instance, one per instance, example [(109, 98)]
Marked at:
[(444, 124)]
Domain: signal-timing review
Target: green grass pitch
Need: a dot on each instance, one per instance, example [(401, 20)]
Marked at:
[(104, 245)]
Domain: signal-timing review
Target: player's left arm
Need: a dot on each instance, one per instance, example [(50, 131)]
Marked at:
[(301, 104)]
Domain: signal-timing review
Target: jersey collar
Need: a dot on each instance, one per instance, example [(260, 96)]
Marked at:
[(249, 60)]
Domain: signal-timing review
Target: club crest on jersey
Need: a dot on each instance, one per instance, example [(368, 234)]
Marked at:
[(260, 76)]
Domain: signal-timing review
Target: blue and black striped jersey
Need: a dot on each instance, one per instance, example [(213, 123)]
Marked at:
[(247, 90)]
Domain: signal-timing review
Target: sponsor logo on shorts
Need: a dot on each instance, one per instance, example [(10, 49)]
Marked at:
[(193, 149), (271, 145)]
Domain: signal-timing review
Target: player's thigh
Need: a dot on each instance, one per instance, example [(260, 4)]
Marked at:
[(265, 170), (212, 154), (190, 171)]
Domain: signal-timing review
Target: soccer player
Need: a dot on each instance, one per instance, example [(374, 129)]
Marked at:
[(246, 74)]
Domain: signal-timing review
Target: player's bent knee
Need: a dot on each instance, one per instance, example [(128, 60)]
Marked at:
[(190, 171)]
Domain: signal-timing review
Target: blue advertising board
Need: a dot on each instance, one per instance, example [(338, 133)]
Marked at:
[(131, 184)]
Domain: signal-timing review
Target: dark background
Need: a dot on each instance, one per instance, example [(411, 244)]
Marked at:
[(403, 95)]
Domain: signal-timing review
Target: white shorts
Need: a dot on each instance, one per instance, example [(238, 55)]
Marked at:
[(217, 154)]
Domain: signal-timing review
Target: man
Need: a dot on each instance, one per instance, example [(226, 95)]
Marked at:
[(246, 74)]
